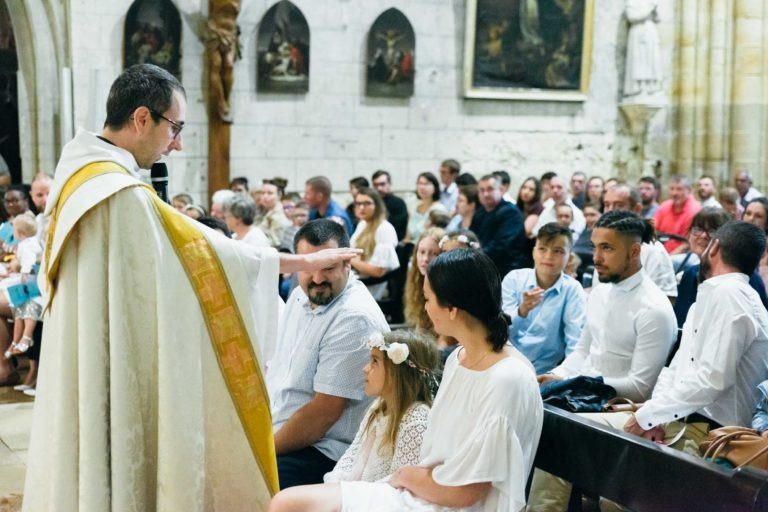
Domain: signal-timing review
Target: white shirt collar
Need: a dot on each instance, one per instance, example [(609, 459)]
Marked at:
[(714, 281), (632, 282)]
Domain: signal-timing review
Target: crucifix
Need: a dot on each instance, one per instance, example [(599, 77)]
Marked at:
[(223, 49)]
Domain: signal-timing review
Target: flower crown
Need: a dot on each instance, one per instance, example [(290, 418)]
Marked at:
[(461, 239), (398, 353)]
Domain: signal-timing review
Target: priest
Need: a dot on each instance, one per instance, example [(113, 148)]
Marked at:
[(150, 395)]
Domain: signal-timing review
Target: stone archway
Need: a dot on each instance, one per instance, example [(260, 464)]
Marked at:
[(10, 158), (42, 48)]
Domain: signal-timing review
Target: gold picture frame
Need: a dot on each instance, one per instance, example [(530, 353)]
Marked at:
[(537, 50)]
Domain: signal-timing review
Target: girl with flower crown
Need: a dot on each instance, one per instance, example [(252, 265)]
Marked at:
[(486, 421), (402, 373)]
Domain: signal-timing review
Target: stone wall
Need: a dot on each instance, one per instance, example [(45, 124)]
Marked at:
[(335, 130)]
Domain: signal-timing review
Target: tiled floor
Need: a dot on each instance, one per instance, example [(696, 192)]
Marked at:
[(15, 423)]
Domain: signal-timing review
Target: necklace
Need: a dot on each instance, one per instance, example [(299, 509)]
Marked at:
[(470, 367)]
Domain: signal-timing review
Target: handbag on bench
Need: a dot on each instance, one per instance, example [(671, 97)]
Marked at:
[(740, 446)]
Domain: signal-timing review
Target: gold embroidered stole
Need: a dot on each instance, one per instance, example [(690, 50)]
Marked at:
[(231, 343)]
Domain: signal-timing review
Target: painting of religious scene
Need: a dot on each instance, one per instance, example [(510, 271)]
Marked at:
[(391, 49), (153, 35), (528, 49), (283, 50)]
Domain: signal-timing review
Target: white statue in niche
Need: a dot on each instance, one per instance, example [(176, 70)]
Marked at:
[(643, 71)]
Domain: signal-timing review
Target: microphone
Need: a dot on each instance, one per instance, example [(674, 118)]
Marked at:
[(159, 176)]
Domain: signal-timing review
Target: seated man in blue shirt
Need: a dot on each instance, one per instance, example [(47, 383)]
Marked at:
[(546, 306), (317, 195), (315, 379)]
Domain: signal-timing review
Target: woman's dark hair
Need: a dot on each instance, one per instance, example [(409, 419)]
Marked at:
[(466, 179), (710, 218), (532, 206), (468, 279), (433, 180), (240, 180), (214, 223), (764, 203), (470, 192)]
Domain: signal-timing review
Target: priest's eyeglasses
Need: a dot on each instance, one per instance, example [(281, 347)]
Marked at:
[(175, 127)]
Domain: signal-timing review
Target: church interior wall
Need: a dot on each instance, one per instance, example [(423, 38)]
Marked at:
[(336, 130)]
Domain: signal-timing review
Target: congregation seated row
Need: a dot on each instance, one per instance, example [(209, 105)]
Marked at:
[(380, 221), (317, 382), (22, 236)]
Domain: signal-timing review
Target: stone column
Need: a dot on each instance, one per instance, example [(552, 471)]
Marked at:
[(718, 98), (721, 88), (748, 89), (687, 91)]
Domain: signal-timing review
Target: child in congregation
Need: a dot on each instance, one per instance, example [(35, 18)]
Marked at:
[(426, 249), (26, 315), (437, 219), (402, 373), (564, 215), (459, 239), (298, 214), (546, 305)]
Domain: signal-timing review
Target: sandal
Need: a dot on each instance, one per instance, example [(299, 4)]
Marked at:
[(22, 346)]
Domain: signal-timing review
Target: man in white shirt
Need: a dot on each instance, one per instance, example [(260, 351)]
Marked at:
[(449, 191), (655, 260), (630, 326), (559, 195), (723, 354), (707, 191), (629, 331), (713, 377), (743, 183), (315, 379)]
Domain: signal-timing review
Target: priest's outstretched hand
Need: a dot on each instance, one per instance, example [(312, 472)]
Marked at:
[(316, 260)]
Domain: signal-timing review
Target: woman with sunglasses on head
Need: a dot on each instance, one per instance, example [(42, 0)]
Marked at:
[(486, 420)]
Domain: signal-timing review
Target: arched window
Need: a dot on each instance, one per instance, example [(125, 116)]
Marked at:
[(153, 35), (391, 56), (283, 50)]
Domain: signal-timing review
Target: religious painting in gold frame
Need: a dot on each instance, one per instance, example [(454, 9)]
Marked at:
[(153, 35), (528, 49)]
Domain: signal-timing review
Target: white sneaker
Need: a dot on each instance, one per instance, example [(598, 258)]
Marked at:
[(29, 392), (22, 387)]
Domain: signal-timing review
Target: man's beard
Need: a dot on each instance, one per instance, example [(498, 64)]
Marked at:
[(616, 276), (705, 267), (320, 298)]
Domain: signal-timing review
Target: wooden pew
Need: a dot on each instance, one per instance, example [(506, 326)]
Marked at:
[(642, 475)]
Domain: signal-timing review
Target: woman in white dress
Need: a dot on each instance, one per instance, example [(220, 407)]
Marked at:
[(376, 237), (485, 424)]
